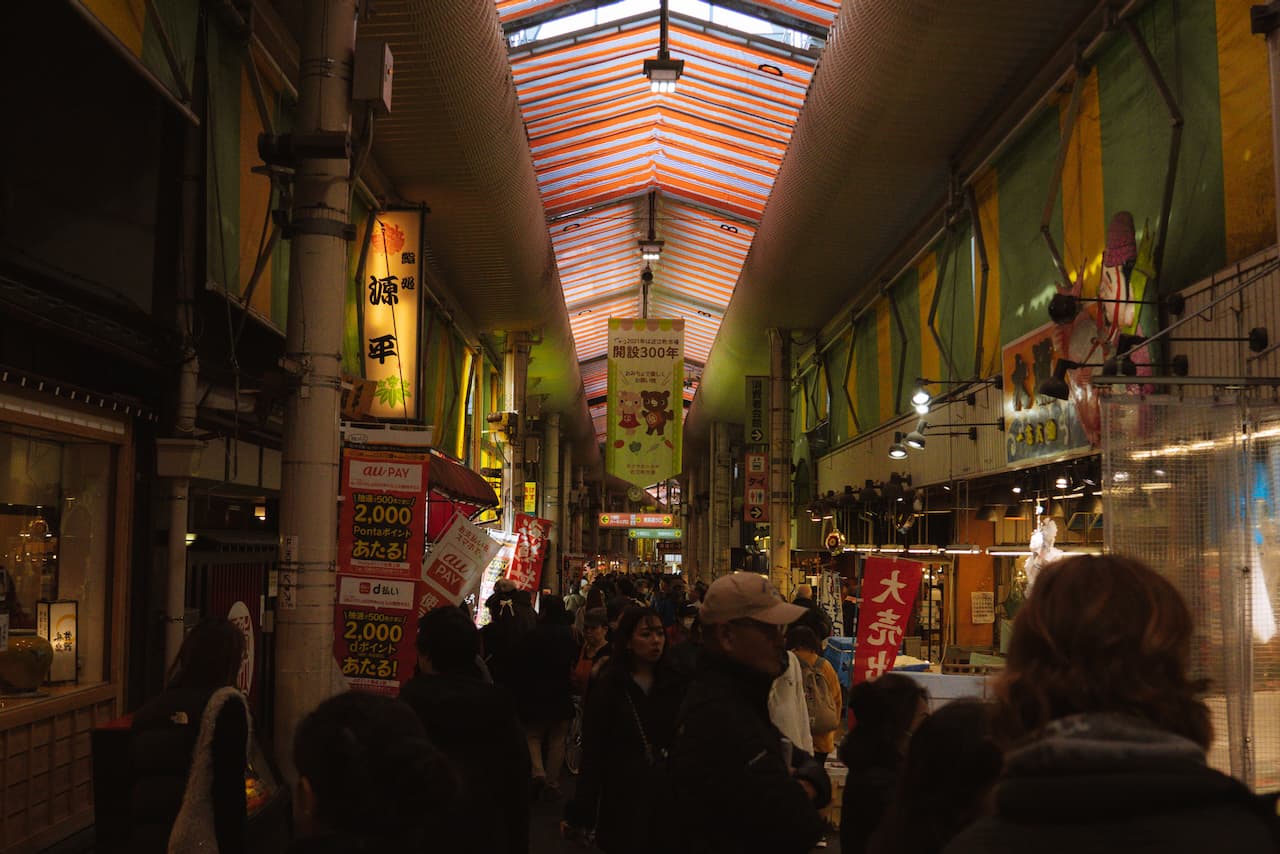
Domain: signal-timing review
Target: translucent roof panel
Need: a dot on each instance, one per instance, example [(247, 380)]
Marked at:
[(603, 144)]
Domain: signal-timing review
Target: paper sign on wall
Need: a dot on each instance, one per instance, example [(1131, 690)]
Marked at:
[(982, 607)]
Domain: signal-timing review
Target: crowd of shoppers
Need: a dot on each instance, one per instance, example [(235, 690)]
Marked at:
[(707, 717)]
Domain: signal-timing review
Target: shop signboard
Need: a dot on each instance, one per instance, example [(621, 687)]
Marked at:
[(1038, 426), (637, 520), (391, 314), (654, 533), (531, 496), (831, 600), (532, 535), (381, 540), (889, 587), (758, 410), (646, 383), (982, 607), (755, 477), (452, 570)]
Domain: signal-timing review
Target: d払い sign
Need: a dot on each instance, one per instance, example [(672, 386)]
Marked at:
[(646, 379)]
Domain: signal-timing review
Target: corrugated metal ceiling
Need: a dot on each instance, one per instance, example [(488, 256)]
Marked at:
[(602, 141)]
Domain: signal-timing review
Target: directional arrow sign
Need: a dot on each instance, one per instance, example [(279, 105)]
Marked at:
[(756, 512), (757, 436)]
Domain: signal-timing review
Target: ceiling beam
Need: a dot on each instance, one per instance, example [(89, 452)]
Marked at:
[(535, 19), (773, 16)]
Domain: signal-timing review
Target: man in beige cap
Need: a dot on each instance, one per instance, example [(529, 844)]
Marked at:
[(727, 756)]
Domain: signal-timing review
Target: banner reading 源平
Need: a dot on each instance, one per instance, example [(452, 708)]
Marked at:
[(646, 380)]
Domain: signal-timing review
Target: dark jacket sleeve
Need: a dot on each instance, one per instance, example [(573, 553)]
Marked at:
[(728, 762), (230, 734), (516, 746)]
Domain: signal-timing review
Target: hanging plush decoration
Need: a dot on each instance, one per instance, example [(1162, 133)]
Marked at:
[(1043, 551)]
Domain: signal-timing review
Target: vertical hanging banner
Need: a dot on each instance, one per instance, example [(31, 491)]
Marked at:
[(889, 588), (531, 533), (495, 571), (831, 600), (453, 568), (755, 479), (758, 410), (646, 379), (381, 539), (391, 316)]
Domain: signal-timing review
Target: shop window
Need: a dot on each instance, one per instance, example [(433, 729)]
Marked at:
[(55, 553)]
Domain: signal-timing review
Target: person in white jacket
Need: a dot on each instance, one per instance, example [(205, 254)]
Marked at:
[(787, 708)]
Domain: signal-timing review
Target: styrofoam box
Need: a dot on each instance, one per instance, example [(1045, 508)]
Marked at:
[(945, 687)]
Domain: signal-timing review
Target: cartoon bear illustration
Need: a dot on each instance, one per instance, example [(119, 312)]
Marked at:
[(656, 414), (629, 406)]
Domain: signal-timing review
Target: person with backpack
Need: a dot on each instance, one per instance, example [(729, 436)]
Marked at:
[(822, 694)]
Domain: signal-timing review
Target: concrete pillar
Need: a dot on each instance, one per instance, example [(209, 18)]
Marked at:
[(584, 514), (721, 501), (305, 670), (569, 509), (551, 500), (515, 376), (780, 459), (689, 525)]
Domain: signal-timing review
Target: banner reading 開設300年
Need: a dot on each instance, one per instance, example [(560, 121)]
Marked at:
[(646, 380)]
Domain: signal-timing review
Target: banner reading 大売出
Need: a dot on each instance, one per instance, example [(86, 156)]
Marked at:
[(646, 381), (889, 587)]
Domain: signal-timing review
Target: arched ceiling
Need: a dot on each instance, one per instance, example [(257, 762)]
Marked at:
[(694, 168)]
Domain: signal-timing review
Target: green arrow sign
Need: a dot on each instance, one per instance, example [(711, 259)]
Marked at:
[(654, 533)]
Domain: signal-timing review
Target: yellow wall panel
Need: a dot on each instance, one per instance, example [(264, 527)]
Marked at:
[(127, 19), (1247, 154), (986, 190), (1084, 219), (885, 361)]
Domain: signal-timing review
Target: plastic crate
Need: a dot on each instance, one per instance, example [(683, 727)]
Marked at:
[(839, 651)]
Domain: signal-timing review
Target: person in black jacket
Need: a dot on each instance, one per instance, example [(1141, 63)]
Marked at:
[(544, 696), (1106, 733), (627, 727), (167, 743), (369, 780), (886, 711), (727, 757), (476, 725)]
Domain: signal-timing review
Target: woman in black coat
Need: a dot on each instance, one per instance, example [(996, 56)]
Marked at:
[(544, 696), (886, 712), (189, 748), (627, 728), (1106, 733)]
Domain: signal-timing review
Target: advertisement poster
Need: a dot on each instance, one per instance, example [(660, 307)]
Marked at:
[(374, 632), (755, 480), (889, 587), (391, 314), (497, 569), (381, 540), (453, 569), (531, 551), (1037, 425), (646, 381)]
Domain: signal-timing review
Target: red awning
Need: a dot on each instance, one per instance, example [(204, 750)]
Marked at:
[(454, 488)]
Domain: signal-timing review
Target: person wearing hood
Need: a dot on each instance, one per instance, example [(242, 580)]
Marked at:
[(1105, 732), (756, 792)]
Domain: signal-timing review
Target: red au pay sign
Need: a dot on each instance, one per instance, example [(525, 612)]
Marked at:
[(889, 587)]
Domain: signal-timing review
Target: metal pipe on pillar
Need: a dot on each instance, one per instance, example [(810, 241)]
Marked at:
[(1266, 21), (780, 459), (515, 379), (305, 669), (569, 509), (718, 561), (551, 499)]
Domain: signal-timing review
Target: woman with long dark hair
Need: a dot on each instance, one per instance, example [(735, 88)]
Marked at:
[(190, 746), (628, 725), (1105, 731), (885, 712)]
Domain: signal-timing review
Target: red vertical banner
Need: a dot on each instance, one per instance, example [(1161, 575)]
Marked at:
[(531, 550), (889, 588), (755, 503), (381, 540)]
